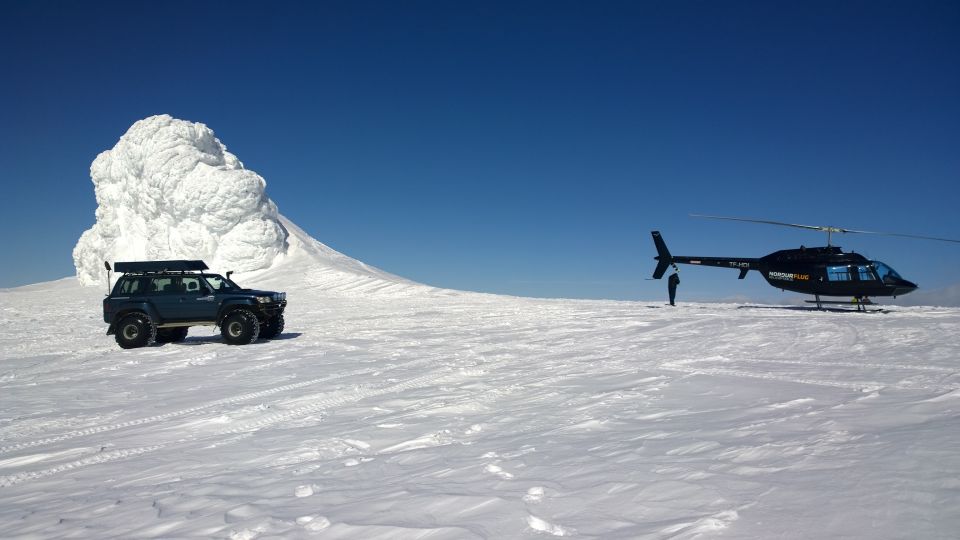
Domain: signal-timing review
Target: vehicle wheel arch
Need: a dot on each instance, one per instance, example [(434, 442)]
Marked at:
[(272, 327), (228, 309), (128, 309), (142, 330), (240, 327)]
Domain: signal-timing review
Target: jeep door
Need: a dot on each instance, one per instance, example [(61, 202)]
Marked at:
[(165, 296), (198, 299), (182, 298)]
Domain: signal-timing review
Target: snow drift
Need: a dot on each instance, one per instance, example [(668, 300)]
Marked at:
[(170, 189)]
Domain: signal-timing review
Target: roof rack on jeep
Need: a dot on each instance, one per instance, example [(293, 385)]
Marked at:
[(146, 267)]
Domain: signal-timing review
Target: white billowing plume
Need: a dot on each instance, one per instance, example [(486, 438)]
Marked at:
[(170, 190)]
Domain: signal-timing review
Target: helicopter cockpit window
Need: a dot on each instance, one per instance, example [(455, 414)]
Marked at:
[(885, 272), (838, 273), (866, 273)]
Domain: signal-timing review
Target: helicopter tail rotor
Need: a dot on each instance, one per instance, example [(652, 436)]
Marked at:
[(663, 255)]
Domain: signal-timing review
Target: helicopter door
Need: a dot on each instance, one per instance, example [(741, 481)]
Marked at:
[(838, 273), (865, 273), (854, 273)]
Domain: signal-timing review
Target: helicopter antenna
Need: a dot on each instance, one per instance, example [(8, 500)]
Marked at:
[(828, 229)]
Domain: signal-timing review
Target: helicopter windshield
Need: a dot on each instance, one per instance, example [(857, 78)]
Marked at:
[(886, 273)]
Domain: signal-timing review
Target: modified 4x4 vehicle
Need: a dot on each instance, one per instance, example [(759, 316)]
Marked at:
[(158, 301)]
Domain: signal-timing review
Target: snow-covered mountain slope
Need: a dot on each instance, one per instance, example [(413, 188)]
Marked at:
[(310, 264), (449, 416)]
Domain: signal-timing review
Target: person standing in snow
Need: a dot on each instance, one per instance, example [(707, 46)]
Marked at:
[(672, 283)]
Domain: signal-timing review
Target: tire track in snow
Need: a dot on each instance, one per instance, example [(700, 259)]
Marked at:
[(691, 366), (315, 406), (915, 367), (190, 410), (322, 404), (832, 335), (103, 457), (687, 366)]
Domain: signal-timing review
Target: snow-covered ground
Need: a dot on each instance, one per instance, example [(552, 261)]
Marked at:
[(389, 409)]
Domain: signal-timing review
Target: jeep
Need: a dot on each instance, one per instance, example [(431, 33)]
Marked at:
[(157, 301)]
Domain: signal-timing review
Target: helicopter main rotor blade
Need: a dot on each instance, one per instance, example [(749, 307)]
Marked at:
[(907, 236), (827, 229), (799, 226)]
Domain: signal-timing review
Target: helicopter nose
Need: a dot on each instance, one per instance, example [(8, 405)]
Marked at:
[(903, 287)]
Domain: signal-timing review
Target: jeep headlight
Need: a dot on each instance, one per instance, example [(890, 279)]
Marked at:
[(264, 299)]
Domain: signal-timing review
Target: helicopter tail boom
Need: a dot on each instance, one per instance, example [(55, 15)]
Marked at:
[(665, 259), (739, 263)]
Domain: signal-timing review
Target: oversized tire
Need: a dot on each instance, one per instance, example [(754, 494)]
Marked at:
[(172, 335), (272, 327), (240, 327), (135, 330)]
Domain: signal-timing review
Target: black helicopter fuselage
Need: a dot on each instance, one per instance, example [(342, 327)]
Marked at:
[(820, 271)]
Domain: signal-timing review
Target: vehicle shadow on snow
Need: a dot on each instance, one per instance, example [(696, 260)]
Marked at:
[(193, 341), (283, 336)]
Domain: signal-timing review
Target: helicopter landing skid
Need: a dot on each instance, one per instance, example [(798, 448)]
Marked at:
[(861, 303)]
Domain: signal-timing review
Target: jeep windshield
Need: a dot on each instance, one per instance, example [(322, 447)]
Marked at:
[(220, 283)]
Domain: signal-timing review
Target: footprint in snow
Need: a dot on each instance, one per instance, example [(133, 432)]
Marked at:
[(541, 525), (244, 534), (359, 445), (534, 495), (303, 491), (497, 470), (313, 523)]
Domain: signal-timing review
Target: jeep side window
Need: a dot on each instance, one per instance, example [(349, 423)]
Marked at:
[(162, 285), (130, 286), (191, 285), (219, 283)]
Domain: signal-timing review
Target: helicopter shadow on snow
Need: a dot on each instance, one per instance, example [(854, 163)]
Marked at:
[(785, 308), (814, 309), (193, 341)]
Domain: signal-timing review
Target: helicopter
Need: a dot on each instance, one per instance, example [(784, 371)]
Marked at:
[(820, 271)]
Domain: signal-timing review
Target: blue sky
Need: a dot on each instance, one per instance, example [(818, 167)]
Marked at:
[(518, 147)]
